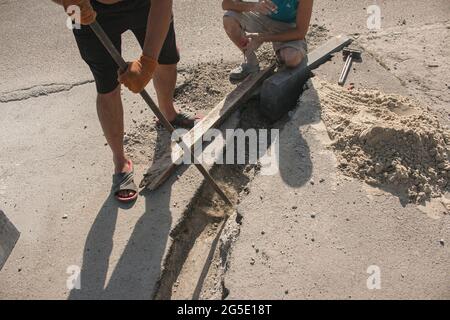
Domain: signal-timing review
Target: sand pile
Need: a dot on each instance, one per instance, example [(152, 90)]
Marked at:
[(387, 140)]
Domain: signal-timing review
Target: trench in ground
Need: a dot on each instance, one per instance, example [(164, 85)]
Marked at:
[(197, 258)]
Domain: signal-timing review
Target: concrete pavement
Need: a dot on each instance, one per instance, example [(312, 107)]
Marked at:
[(55, 175), (322, 235), (55, 169), (39, 53)]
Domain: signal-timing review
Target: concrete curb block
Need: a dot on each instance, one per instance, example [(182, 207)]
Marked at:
[(8, 238)]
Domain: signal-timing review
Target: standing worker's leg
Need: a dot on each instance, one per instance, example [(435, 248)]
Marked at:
[(164, 81), (109, 104), (165, 76), (110, 114)]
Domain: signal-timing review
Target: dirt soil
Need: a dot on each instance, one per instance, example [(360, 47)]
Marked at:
[(199, 88), (387, 140)]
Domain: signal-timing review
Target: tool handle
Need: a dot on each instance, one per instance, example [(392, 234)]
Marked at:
[(345, 70), (109, 46)]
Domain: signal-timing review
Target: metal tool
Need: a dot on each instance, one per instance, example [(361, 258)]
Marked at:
[(349, 55), (104, 39)]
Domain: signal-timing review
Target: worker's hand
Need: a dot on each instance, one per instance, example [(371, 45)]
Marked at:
[(254, 42), (138, 74), (265, 7), (87, 13), (243, 42)]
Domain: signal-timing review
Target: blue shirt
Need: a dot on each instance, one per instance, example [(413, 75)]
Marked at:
[(287, 10)]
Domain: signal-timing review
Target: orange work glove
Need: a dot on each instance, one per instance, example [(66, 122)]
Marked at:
[(138, 74), (87, 13)]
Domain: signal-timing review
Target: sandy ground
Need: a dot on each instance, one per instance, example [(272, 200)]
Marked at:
[(55, 170), (321, 240)]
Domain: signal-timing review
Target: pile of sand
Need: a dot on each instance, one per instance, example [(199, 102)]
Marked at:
[(387, 140)]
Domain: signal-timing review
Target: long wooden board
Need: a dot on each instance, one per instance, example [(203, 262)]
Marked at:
[(163, 167)]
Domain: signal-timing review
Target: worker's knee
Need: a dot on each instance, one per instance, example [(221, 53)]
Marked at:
[(105, 98), (291, 57), (166, 69)]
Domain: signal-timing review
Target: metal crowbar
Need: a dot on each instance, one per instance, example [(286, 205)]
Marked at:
[(109, 46)]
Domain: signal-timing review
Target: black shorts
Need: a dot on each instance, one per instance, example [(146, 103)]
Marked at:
[(115, 20)]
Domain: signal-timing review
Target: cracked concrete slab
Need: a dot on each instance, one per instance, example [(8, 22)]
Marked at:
[(56, 153), (39, 90)]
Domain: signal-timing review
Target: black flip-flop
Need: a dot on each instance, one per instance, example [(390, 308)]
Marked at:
[(124, 182), (182, 120)]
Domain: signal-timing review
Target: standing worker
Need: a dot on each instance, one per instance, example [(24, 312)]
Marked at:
[(151, 21)]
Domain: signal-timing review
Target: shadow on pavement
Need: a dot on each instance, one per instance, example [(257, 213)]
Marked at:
[(295, 156), (294, 165), (138, 269)]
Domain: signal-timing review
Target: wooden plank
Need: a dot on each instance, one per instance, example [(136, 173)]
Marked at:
[(163, 167), (323, 53), (8, 238), (280, 92)]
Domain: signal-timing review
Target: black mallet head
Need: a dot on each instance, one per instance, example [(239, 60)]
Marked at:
[(356, 54)]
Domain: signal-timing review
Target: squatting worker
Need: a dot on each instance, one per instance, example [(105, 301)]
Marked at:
[(284, 23), (151, 21)]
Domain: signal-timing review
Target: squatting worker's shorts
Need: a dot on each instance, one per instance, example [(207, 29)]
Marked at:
[(115, 20), (258, 23)]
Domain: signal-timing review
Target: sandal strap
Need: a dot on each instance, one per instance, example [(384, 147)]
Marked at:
[(124, 182), (183, 119)]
